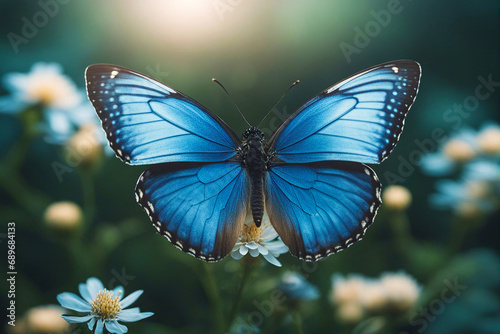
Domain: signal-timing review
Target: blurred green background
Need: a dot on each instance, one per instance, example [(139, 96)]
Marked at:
[(256, 49)]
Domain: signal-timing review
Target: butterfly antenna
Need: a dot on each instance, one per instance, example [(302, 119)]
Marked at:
[(281, 98), (231, 99)]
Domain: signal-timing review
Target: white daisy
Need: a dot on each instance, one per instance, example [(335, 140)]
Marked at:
[(45, 85), (259, 240), (103, 308), (52, 96)]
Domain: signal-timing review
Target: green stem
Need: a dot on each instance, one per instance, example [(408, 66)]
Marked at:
[(11, 180), (400, 226), (247, 269), (27, 198), (271, 325), (88, 199), (461, 227), (17, 153), (82, 263), (210, 286), (297, 322)]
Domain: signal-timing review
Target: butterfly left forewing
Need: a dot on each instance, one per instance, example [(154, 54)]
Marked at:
[(147, 122)]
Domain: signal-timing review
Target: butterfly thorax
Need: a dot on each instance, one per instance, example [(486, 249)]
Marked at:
[(254, 161)]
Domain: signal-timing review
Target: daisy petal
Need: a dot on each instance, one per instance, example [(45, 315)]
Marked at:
[(73, 302), (268, 234), (254, 252), (272, 260), (262, 250), (92, 323), (114, 327), (99, 328), (277, 247), (251, 245), (236, 255), (119, 291), (127, 301), (84, 291), (133, 315), (58, 122), (9, 105), (243, 250), (94, 285), (75, 320)]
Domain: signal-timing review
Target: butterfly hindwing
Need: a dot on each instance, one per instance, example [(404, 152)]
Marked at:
[(199, 208), (359, 119), (321, 208), (147, 122)]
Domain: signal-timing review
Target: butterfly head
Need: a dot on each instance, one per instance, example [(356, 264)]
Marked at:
[(253, 134)]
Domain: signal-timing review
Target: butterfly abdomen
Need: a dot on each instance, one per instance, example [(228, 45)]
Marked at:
[(254, 162)]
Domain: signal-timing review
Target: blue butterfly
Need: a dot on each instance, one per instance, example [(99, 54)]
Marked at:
[(310, 176)]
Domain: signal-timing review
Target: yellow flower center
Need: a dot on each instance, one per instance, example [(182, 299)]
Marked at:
[(86, 144), (105, 306), (251, 233), (44, 94), (489, 141), (459, 150), (478, 190)]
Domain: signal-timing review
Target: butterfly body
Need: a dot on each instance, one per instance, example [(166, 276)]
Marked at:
[(309, 176), (254, 160)]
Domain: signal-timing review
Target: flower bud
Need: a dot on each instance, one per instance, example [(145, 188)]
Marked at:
[(374, 298), (347, 290), (397, 198), (401, 290), (350, 312), (46, 320), (488, 140), (63, 216), (85, 146), (459, 150)]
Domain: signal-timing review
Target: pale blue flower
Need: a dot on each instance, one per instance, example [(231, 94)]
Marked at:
[(488, 140), (257, 241), (460, 148), (478, 156), (296, 288), (104, 308), (63, 107), (243, 327), (465, 197)]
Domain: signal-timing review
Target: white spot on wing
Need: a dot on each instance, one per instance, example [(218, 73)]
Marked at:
[(151, 206), (170, 90), (113, 74)]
